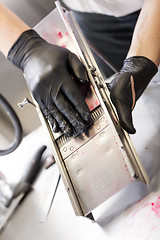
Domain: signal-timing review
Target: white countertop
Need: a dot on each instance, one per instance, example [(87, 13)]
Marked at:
[(132, 213)]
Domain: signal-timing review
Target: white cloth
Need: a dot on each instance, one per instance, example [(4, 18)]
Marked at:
[(116, 8)]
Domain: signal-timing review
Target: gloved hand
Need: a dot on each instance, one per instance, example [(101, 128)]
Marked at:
[(128, 85), (53, 74)]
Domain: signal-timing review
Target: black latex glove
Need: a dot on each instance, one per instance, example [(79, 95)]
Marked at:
[(52, 74), (128, 85)]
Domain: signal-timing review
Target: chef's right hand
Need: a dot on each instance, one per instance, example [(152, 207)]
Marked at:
[(53, 75)]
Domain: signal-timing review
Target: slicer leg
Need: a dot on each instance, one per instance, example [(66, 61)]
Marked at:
[(90, 216)]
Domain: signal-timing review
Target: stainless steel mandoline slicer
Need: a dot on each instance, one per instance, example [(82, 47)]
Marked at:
[(93, 167)]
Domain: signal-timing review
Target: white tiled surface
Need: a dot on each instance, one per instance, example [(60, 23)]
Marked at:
[(133, 213)]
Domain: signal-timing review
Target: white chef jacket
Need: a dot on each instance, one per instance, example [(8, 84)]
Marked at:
[(117, 8)]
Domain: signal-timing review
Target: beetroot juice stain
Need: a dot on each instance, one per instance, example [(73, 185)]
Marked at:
[(156, 207), (60, 34), (149, 212)]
